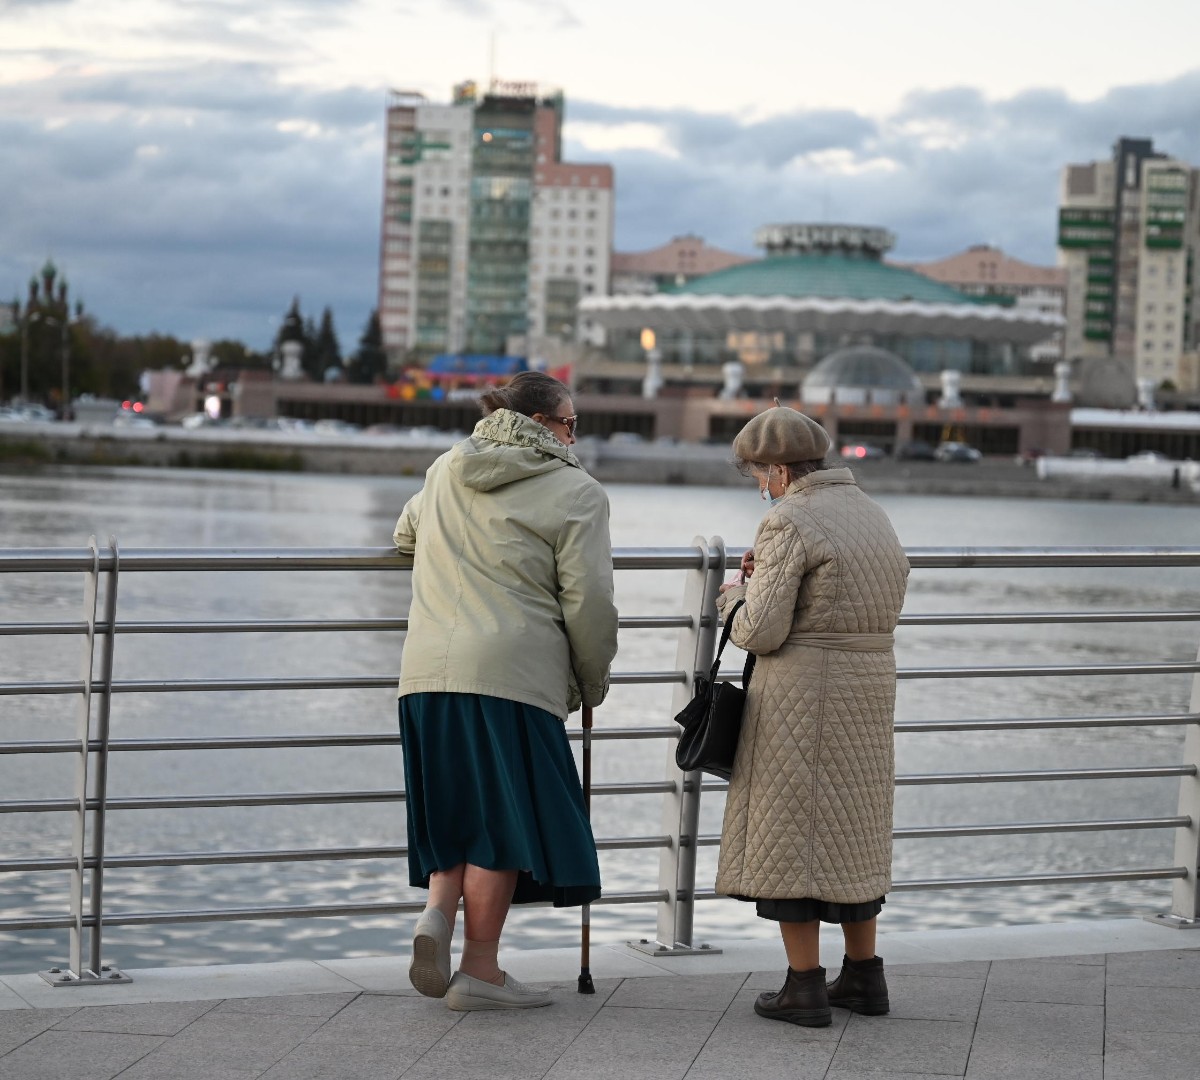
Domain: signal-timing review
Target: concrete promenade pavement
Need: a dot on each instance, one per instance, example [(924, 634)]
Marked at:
[(1111, 1000)]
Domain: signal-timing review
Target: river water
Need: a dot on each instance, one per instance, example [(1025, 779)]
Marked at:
[(163, 508)]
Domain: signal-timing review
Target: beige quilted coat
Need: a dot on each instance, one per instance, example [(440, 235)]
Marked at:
[(809, 811)]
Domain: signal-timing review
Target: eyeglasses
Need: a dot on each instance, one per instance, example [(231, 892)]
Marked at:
[(568, 422)]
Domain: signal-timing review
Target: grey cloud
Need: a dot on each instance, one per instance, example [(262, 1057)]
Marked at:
[(174, 201)]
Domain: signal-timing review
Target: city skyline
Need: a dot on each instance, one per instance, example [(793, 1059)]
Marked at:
[(192, 167)]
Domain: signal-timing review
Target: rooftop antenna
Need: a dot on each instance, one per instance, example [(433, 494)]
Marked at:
[(492, 61)]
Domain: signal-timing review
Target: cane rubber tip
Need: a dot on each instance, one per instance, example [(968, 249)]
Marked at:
[(585, 983)]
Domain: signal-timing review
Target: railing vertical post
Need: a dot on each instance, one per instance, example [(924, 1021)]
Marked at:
[(681, 807), (79, 974), (100, 782), (1185, 897)]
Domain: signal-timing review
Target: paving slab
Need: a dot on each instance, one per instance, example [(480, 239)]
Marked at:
[(1144, 1055), (160, 1018), (319, 1005), (1175, 967), (55, 1055), (10, 999), (932, 997), (18, 1026), (411, 1024), (337, 1061), (1152, 1008), (744, 1044), (1016, 1064), (1047, 981), (879, 1043), (651, 1044), (694, 993), (188, 984), (1039, 1028), (232, 1041)]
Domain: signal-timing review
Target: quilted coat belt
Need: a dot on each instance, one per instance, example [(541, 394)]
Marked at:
[(848, 642)]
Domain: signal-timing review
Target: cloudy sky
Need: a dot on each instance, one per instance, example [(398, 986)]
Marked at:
[(193, 164)]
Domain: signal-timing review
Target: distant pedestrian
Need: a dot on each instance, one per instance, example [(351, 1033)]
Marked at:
[(511, 627), (807, 834)]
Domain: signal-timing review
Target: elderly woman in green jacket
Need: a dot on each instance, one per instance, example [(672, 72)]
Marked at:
[(807, 835), (511, 627)]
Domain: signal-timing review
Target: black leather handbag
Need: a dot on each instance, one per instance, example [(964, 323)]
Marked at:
[(712, 720)]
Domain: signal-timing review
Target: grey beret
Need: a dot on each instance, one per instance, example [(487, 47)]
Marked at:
[(780, 436)]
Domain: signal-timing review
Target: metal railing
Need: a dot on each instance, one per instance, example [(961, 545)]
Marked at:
[(704, 566)]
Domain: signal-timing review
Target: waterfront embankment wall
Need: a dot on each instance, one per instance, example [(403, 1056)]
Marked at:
[(24, 446)]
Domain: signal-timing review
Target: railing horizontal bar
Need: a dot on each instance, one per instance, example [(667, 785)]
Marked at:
[(280, 798), (973, 558), (933, 884), (1183, 667), (1016, 829), (278, 742), (328, 682), (1115, 773), (1004, 618), (286, 626), (1036, 827), (685, 558), (1051, 670), (222, 858), (1050, 723), (1135, 772), (316, 911)]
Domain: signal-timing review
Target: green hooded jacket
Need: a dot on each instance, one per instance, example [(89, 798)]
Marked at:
[(512, 584)]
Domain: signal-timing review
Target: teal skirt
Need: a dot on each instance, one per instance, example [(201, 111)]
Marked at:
[(493, 783)]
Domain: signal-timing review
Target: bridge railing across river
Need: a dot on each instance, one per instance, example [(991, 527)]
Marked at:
[(675, 893)]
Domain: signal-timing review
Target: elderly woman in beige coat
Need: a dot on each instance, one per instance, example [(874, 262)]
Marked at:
[(807, 833)]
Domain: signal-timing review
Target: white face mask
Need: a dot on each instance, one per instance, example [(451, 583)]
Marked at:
[(764, 492)]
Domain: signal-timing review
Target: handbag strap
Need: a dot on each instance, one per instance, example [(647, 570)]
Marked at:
[(748, 668), (725, 632)]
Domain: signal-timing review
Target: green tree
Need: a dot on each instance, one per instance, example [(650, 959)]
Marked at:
[(369, 362), (328, 352)]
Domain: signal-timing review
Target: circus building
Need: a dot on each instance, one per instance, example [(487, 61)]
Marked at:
[(819, 288), (876, 349)]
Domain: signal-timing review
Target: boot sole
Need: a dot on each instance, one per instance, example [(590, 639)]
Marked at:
[(863, 1007), (803, 1017)]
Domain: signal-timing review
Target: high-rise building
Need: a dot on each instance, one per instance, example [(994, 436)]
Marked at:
[(1129, 237), (489, 238)]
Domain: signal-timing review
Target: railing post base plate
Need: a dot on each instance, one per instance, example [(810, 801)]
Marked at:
[(1174, 922), (657, 948), (109, 976)]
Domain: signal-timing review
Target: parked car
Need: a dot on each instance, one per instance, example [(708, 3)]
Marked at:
[(916, 450), (1086, 452), (956, 451), (862, 451), (1148, 455)]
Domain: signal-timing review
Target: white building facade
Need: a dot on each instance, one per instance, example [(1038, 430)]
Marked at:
[(489, 240), (1129, 239)]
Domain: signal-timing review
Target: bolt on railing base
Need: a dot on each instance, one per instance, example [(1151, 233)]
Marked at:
[(657, 948), (109, 976), (1175, 922)]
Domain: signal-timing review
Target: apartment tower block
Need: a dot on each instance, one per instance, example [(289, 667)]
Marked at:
[(489, 239), (1129, 238)]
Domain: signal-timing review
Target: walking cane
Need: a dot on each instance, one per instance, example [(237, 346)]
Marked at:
[(585, 930)]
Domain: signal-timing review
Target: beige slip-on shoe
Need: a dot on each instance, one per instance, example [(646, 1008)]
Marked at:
[(467, 994), (429, 969)]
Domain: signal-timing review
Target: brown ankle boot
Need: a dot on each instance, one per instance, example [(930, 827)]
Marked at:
[(803, 1000), (861, 987)]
